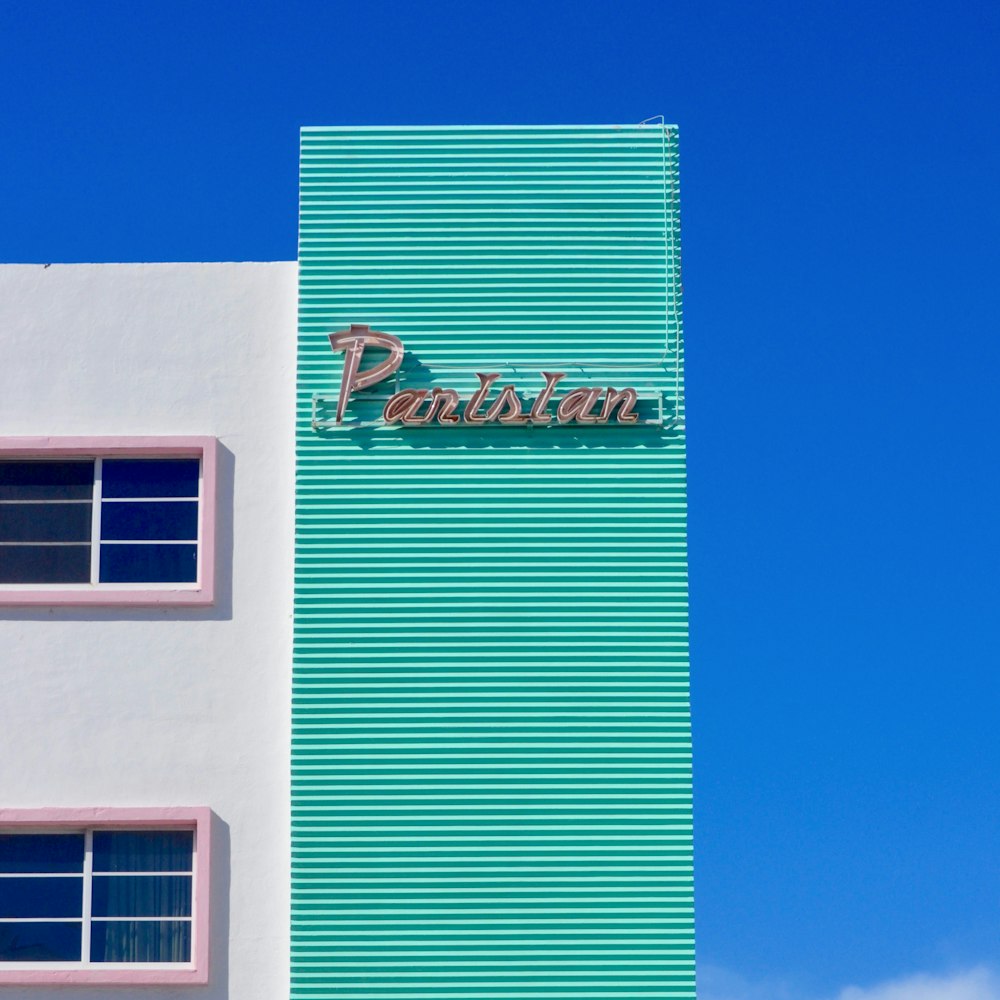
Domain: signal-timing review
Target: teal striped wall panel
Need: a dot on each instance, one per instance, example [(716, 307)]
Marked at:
[(491, 762)]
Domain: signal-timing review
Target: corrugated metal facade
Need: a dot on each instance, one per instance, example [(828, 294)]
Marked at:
[(491, 739)]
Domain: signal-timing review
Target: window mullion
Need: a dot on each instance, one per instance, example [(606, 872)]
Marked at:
[(88, 874), (95, 523), (201, 518)]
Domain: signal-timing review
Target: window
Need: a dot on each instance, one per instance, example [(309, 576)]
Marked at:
[(104, 903), (96, 896), (107, 522), (99, 520)]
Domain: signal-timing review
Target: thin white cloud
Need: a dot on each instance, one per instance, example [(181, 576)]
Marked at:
[(979, 983), (715, 983)]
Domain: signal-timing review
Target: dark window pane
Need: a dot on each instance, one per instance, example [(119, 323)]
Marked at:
[(143, 850), (149, 563), (42, 897), (150, 477), (44, 563), (41, 852), (45, 522), (142, 896), (68, 480), (40, 942), (140, 941), (139, 521)]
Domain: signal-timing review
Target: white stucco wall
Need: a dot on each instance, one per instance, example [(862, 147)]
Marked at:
[(151, 707)]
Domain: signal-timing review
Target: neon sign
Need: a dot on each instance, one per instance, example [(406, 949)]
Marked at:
[(423, 407)]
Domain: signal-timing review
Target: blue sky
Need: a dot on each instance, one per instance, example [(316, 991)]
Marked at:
[(839, 185)]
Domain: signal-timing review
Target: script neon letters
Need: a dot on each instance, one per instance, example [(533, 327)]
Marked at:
[(420, 407)]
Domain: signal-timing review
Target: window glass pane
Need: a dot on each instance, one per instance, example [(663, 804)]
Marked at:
[(142, 896), (44, 563), (40, 942), (66, 480), (149, 563), (45, 522), (140, 941), (41, 852), (150, 477), (42, 897), (143, 850), (139, 521)]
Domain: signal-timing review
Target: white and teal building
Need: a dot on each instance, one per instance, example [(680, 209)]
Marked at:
[(344, 602)]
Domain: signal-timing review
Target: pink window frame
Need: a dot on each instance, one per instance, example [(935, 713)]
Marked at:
[(205, 448), (197, 818)]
